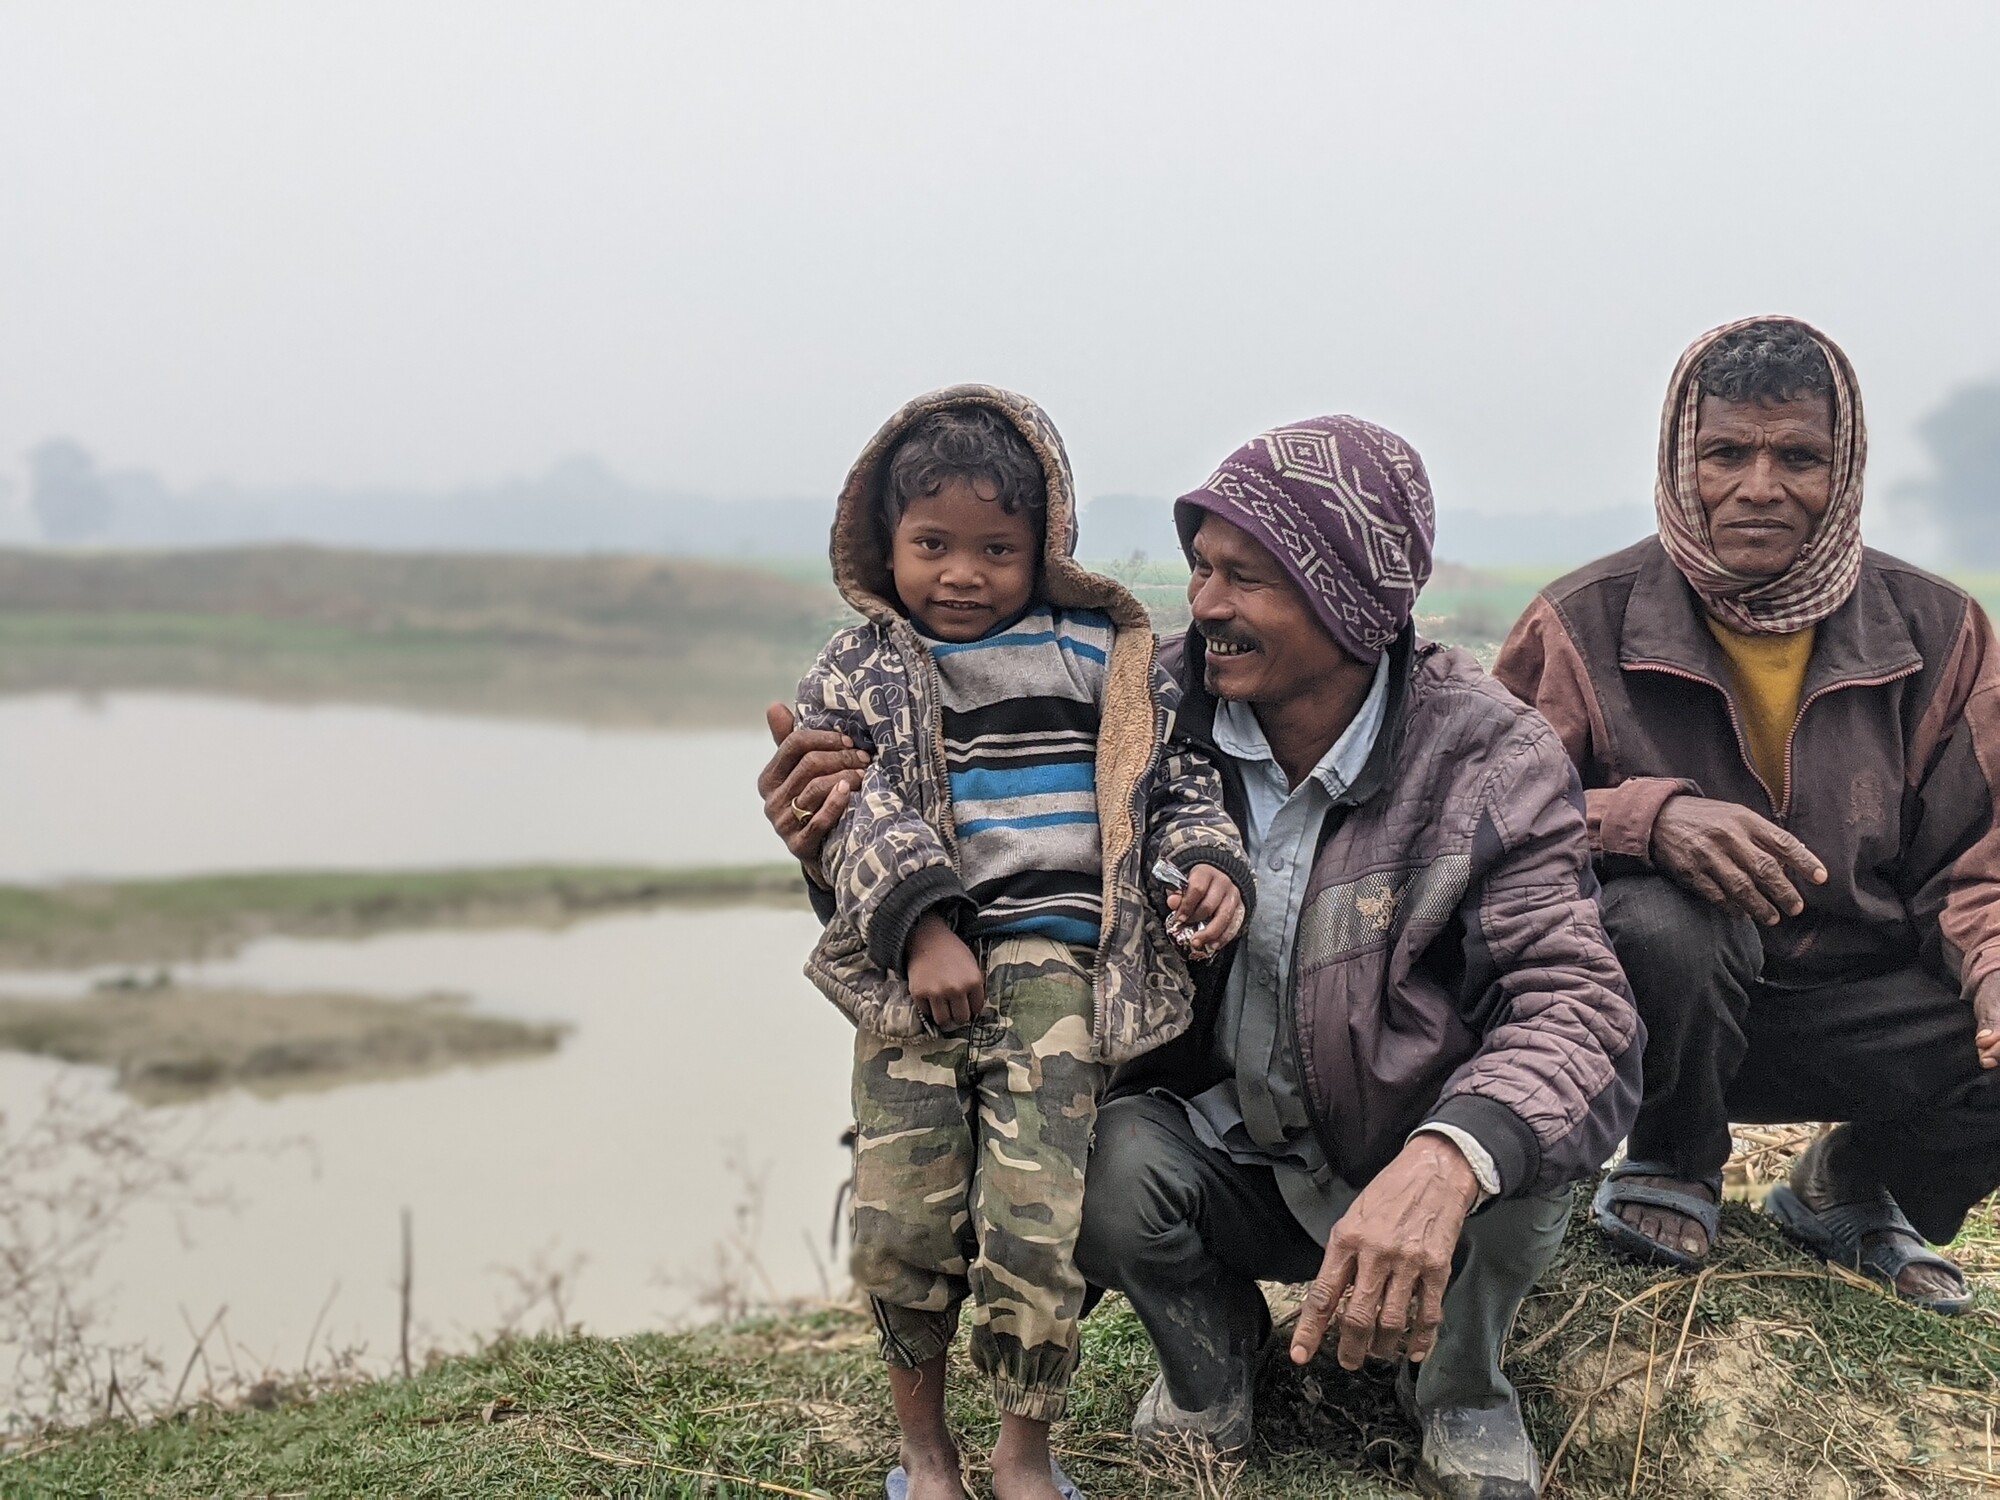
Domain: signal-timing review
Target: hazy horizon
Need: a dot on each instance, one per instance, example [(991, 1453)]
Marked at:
[(436, 247)]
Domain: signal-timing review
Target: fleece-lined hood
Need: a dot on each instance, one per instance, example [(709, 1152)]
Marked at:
[(860, 543)]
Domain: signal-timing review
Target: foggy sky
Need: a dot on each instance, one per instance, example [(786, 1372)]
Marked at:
[(714, 246)]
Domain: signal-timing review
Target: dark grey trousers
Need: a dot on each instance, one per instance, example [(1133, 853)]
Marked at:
[(1186, 1234), (1890, 1053)]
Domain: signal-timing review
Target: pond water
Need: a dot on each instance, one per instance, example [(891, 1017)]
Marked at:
[(139, 784), (701, 1072), (699, 1054)]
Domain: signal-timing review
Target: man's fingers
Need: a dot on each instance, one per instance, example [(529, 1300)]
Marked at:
[(1394, 1323), (1792, 852), (1772, 881), (805, 844), (1430, 1313), (779, 720), (822, 763), (1359, 1318), (1322, 1297), (1741, 892)]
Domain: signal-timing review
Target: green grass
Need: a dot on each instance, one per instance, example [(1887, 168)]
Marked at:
[(1782, 1363), (192, 917)]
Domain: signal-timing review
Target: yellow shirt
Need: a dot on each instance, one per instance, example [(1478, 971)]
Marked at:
[(1767, 677)]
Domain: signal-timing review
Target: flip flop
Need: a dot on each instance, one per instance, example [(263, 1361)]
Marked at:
[(1618, 1191), (1838, 1234), (897, 1485)]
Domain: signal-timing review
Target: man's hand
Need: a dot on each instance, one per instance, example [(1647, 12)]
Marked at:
[(944, 974), (1208, 913), (815, 771), (1986, 1018), (1390, 1257), (1727, 854)]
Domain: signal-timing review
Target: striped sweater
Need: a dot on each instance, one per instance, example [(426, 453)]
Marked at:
[(1020, 710)]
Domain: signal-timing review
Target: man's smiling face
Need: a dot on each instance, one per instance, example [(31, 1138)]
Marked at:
[(1265, 645)]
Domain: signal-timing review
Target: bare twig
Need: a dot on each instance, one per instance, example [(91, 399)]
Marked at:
[(403, 1289), (1687, 1322), (1646, 1403), (199, 1351), (305, 1363), (1540, 1340)]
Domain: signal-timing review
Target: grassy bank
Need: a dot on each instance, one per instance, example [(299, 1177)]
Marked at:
[(167, 1043), (1766, 1377), (613, 640), (206, 917)]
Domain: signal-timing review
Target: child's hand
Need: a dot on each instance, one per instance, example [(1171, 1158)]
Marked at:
[(944, 975), (1208, 913)]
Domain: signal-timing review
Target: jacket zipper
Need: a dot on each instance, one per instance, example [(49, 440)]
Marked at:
[(1779, 810), (944, 822), (1736, 726), (1289, 1000), (1812, 698), (1098, 1022)]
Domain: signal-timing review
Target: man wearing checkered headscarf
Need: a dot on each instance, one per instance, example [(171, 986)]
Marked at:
[(1790, 748)]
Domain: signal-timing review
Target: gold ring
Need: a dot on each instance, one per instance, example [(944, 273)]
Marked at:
[(799, 812)]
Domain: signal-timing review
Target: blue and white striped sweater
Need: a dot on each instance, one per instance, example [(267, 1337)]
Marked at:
[(1021, 709)]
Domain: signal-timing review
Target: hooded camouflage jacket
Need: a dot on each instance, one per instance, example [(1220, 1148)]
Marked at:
[(893, 856)]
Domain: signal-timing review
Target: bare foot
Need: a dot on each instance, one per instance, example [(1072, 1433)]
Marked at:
[(1820, 1189), (1021, 1461), (930, 1457), (933, 1475), (1018, 1481), (1663, 1226)]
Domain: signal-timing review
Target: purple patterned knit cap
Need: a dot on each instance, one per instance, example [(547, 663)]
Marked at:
[(1345, 506)]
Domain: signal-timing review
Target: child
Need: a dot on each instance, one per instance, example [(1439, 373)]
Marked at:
[(1004, 887)]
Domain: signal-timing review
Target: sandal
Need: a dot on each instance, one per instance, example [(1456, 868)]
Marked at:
[(1839, 1233), (897, 1485), (1619, 1191)]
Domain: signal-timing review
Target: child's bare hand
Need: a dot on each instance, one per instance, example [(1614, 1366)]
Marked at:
[(1208, 914), (944, 974)]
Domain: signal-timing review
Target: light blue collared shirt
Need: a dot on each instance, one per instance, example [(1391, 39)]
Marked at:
[(1258, 1114)]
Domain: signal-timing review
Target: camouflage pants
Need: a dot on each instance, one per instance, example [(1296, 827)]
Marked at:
[(968, 1176)]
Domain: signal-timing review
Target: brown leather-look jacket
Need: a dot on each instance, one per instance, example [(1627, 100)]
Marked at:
[(1892, 760), (1451, 964)]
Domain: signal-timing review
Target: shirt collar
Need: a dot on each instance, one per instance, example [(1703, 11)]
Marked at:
[(1239, 736)]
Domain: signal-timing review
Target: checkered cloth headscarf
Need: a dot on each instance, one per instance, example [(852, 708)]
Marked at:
[(1345, 507), (1824, 573)]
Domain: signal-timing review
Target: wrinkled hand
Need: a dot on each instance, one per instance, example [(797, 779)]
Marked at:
[(1390, 1257), (944, 974), (814, 769), (1729, 855), (1209, 913), (1986, 1017)]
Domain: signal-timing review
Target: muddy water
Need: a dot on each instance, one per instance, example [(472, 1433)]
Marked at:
[(156, 784), (695, 1040)]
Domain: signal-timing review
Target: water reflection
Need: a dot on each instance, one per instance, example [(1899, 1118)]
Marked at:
[(693, 1032)]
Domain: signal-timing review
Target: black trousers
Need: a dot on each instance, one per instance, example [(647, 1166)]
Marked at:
[(1892, 1054), (1186, 1234)]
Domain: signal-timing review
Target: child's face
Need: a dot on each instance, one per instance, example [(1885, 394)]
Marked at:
[(961, 563)]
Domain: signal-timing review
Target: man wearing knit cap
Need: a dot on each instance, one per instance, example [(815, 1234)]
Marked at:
[(1792, 750), (1423, 1037)]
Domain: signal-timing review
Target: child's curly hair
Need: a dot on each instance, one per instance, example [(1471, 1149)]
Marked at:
[(967, 442)]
